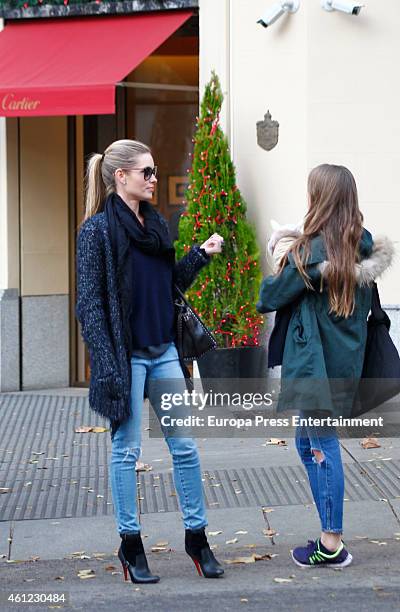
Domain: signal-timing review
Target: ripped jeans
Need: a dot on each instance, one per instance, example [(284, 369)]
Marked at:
[(126, 443), (326, 476)]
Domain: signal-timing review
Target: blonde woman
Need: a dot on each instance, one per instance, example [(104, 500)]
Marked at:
[(125, 275)]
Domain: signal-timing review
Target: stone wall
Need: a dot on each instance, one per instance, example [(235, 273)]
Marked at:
[(8, 10)]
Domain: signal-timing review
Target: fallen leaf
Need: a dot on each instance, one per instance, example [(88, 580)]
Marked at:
[(241, 532), (214, 533), (233, 541), (267, 510), (159, 549), (59, 578), (269, 532), (29, 579), (5, 490), (252, 558), (143, 467), (110, 568), (276, 441), (83, 429), (244, 600), (86, 573), (162, 543), (378, 542), (99, 429), (283, 580), (370, 443), (237, 560)]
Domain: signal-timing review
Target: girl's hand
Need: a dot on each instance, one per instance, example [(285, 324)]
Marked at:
[(213, 244)]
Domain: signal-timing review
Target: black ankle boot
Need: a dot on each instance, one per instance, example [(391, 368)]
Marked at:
[(198, 549), (132, 556)]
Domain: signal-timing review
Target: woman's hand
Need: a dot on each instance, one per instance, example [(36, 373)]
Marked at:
[(213, 244)]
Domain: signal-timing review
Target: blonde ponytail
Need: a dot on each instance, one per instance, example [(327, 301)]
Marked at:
[(95, 188)]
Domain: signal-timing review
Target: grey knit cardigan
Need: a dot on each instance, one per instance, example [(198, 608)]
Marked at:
[(99, 313)]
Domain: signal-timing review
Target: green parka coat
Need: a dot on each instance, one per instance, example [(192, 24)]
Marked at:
[(323, 355)]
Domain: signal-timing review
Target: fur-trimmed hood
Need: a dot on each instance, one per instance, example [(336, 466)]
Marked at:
[(372, 267), (377, 253)]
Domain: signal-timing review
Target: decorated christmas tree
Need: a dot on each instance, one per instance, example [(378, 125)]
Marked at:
[(226, 291)]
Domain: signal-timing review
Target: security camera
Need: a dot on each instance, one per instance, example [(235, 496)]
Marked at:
[(352, 8), (277, 10)]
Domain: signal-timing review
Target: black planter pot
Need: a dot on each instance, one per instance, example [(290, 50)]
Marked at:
[(240, 362)]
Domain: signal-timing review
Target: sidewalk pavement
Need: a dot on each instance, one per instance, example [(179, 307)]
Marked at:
[(47, 553)]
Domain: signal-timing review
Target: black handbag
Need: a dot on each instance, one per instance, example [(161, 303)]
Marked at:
[(380, 378), (194, 339)]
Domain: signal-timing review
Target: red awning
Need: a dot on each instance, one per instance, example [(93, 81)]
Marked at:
[(71, 66)]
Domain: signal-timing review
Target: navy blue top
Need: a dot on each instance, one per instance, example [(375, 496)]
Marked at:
[(153, 317)]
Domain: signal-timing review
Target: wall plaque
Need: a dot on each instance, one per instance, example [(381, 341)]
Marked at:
[(267, 132)]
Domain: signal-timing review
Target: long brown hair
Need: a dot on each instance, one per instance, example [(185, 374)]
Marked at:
[(99, 177), (334, 214)]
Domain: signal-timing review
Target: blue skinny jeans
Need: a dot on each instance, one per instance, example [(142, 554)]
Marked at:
[(126, 444), (326, 477)]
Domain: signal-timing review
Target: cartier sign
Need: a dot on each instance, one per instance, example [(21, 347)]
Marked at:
[(10, 102)]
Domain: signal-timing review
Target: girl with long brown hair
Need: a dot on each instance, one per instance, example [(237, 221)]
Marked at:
[(322, 294)]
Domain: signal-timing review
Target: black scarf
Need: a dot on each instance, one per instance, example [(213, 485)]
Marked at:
[(125, 229)]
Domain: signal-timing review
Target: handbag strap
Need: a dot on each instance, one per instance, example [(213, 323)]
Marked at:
[(378, 315), (180, 294), (179, 336)]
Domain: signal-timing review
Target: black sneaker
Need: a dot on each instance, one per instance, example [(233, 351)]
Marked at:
[(315, 554)]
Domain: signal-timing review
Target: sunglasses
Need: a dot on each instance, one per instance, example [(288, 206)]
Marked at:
[(148, 172)]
